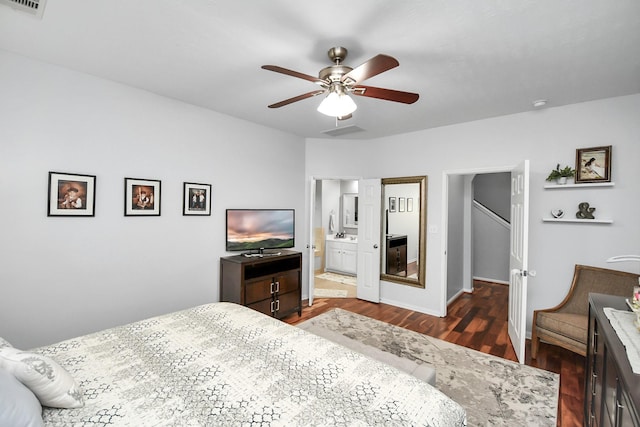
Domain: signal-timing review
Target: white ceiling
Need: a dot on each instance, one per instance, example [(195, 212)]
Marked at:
[(468, 59)]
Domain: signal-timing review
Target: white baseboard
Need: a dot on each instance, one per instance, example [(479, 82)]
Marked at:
[(456, 295), (485, 279), (409, 307)]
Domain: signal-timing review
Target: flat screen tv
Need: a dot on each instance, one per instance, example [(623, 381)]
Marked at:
[(258, 229)]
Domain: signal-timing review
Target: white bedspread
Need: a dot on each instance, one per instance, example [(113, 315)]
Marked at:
[(224, 364)]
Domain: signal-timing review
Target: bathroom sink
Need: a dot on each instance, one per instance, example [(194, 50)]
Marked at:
[(348, 238)]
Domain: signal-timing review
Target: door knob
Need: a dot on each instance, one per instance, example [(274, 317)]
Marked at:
[(375, 246), (524, 273)]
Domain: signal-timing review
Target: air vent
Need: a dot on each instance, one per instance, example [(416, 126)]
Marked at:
[(32, 7), (342, 131)]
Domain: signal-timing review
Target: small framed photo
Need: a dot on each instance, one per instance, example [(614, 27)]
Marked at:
[(196, 199), (71, 194), (141, 197), (409, 204), (392, 204), (593, 164), (401, 204)]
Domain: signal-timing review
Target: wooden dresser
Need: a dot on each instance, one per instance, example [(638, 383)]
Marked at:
[(612, 390), (271, 284), (396, 254)]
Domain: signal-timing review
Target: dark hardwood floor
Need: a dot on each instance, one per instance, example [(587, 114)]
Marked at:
[(478, 321)]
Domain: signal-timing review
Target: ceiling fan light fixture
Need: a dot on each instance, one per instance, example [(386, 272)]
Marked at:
[(337, 104)]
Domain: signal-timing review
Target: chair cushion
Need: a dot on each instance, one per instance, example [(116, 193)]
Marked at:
[(569, 325)]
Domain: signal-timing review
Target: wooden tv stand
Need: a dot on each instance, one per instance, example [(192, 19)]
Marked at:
[(270, 284)]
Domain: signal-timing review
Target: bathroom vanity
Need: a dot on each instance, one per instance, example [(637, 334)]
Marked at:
[(342, 254)]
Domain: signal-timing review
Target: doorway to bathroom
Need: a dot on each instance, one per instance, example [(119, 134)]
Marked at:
[(335, 230)]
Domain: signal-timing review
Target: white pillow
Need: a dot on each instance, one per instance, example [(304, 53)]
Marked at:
[(19, 406), (51, 384)]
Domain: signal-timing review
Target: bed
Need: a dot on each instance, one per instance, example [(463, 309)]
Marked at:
[(224, 364)]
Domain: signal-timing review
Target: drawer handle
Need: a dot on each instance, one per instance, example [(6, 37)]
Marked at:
[(275, 306), (619, 409), (594, 377), (275, 287)]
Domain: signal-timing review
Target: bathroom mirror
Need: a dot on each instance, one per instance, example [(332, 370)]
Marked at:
[(350, 210), (404, 219)]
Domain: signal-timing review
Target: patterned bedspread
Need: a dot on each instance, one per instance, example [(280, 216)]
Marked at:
[(223, 364)]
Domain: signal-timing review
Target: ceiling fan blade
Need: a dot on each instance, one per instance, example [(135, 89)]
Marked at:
[(386, 94), (376, 65), (293, 73), (296, 98)]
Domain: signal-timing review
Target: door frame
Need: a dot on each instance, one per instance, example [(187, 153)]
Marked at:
[(445, 223), (311, 205)]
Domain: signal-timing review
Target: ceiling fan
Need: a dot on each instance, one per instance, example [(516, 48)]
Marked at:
[(338, 81)]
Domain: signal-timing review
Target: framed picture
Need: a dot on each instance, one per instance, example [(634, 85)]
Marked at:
[(400, 204), (71, 194), (141, 197), (409, 204), (392, 204), (196, 199), (593, 164)]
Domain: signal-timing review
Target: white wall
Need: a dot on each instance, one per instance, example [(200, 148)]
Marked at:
[(331, 205), (494, 191), (456, 238), (491, 240), (61, 277), (546, 137)]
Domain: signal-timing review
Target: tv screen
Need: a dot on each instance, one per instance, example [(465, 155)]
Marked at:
[(254, 229)]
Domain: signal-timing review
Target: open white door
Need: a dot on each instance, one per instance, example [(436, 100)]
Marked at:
[(368, 270), (311, 246), (518, 259)]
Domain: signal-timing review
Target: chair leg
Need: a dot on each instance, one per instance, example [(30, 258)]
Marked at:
[(535, 343)]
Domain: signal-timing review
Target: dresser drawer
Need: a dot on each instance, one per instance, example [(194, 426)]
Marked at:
[(258, 290), (288, 282)]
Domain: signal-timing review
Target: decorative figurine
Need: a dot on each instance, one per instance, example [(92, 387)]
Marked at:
[(584, 211)]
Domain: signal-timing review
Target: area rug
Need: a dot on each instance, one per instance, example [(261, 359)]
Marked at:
[(345, 280), (329, 293), (494, 391)]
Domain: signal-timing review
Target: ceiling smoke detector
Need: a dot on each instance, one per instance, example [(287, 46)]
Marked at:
[(539, 103), (32, 7)]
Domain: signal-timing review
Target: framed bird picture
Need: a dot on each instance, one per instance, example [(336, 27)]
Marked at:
[(593, 164)]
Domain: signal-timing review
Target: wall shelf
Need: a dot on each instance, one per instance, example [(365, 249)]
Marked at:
[(576, 220), (586, 185)]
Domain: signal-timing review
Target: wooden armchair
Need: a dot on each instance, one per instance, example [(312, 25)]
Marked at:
[(566, 324)]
